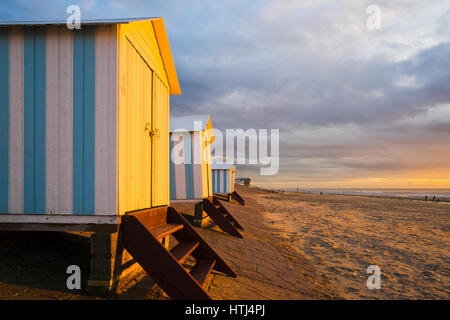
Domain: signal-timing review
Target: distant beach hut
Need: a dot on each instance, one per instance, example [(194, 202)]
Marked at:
[(84, 145), (245, 181), (223, 177), (223, 180), (190, 164), (191, 174)]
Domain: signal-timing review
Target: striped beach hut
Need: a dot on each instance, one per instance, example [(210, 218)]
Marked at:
[(223, 177), (84, 146), (84, 120), (190, 164)]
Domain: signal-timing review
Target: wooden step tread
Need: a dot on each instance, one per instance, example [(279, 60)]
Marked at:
[(201, 270), (165, 230), (182, 250)]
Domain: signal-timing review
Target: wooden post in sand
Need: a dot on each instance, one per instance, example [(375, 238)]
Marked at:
[(297, 192)]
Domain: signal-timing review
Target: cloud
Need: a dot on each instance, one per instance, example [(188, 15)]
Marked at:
[(348, 101)]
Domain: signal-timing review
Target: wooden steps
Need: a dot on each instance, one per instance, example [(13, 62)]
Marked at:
[(226, 213), (181, 251), (201, 270), (223, 196), (165, 230), (220, 215), (142, 232), (236, 196)]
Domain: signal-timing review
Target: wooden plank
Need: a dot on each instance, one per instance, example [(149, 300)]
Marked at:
[(201, 270), (105, 120), (183, 250), (4, 119), (52, 115), (189, 170), (197, 157), (65, 119), (84, 121), (60, 227), (101, 126), (57, 219), (172, 182), (152, 217), (160, 143), (113, 132), (221, 196), (165, 230), (180, 174), (34, 120), (16, 120)]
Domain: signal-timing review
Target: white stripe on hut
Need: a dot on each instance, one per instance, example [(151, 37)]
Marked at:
[(190, 153), (223, 177)]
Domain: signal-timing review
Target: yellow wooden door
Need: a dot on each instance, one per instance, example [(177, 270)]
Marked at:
[(160, 144), (135, 124)]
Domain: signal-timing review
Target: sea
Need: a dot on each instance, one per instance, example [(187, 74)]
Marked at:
[(407, 193)]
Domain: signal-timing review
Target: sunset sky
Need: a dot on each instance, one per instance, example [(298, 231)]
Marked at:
[(355, 107)]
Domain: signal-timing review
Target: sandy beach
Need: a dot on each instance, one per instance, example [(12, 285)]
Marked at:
[(315, 247), (33, 264), (343, 234)]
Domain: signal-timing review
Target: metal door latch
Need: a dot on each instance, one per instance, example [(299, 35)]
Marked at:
[(153, 133)]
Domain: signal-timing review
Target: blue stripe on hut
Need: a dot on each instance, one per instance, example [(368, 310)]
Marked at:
[(84, 121), (34, 120), (66, 121), (190, 155), (225, 173)]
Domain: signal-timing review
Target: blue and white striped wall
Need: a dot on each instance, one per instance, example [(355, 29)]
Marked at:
[(222, 178), (58, 120), (187, 175)]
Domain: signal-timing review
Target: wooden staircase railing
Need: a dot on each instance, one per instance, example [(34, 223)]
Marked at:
[(220, 215), (143, 231), (236, 196)]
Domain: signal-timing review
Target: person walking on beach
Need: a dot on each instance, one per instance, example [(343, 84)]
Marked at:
[(426, 198)]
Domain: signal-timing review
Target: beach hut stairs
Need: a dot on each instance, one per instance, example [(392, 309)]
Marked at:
[(221, 216), (236, 196), (142, 232), (223, 196)]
